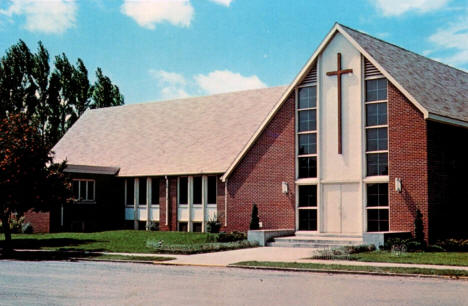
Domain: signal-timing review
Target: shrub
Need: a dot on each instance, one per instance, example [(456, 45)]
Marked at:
[(231, 237), (153, 226), (213, 225), (454, 245), (254, 221)]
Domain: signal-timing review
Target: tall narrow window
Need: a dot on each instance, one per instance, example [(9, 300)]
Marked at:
[(142, 191), (155, 190), (197, 190), (212, 189), (376, 127), (307, 131), (183, 190), (377, 208), (130, 190)]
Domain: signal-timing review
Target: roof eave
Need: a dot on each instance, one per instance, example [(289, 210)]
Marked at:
[(447, 120)]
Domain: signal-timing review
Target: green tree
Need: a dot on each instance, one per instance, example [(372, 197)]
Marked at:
[(254, 220), (28, 177), (105, 93)]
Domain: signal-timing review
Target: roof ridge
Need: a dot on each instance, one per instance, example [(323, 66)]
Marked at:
[(399, 47), (193, 97)]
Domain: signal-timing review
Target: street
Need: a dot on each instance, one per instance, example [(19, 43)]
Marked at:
[(91, 283)]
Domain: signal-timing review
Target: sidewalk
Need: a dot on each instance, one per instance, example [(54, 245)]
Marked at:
[(274, 254)]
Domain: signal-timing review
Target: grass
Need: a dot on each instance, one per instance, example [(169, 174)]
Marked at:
[(335, 267), (430, 258), (129, 241)]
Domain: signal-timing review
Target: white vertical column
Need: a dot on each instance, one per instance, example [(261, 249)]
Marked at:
[(135, 203), (149, 182), (190, 202), (204, 200)]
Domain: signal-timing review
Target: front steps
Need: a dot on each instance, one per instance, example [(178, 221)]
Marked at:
[(307, 240)]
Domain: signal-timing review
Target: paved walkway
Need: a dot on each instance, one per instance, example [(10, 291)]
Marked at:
[(278, 254)]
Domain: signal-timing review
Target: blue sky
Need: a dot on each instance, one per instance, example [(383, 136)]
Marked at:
[(163, 49)]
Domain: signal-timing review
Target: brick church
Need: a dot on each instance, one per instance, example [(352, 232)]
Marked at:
[(366, 136)]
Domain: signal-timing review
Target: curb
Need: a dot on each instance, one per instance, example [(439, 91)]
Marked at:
[(331, 271)]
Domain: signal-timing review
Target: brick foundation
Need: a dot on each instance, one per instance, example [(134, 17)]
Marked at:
[(40, 221)]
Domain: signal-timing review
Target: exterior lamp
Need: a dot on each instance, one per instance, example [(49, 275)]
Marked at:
[(284, 187), (398, 184)]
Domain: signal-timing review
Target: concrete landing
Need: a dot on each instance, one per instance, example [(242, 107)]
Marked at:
[(316, 241)]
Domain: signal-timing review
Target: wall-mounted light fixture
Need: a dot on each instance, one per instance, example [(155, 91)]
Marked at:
[(284, 187), (398, 184)]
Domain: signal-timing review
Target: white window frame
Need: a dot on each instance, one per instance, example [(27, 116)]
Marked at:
[(85, 200), (376, 207), (366, 153)]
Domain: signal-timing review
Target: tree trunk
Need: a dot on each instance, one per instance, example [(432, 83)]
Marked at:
[(7, 232)]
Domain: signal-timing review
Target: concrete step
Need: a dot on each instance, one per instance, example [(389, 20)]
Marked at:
[(316, 241)]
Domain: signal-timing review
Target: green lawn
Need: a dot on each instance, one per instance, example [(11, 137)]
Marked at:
[(335, 267), (123, 241), (431, 258)]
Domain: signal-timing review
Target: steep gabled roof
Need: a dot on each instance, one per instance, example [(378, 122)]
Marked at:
[(185, 136), (439, 91)]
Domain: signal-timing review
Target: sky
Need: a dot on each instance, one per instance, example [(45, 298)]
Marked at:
[(165, 49)]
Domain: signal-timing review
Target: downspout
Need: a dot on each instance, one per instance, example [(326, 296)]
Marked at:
[(167, 200)]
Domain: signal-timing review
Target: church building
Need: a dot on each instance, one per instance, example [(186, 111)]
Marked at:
[(368, 138)]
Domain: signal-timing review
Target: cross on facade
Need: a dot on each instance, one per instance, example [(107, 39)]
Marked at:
[(338, 73)]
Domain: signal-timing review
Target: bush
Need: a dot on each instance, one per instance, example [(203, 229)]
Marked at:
[(453, 245), (254, 221), (153, 226), (213, 225), (231, 237)]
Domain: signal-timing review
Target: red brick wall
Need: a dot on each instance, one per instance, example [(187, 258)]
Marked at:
[(162, 205), (220, 204), (257, 179), (407, 137), (40, 221)]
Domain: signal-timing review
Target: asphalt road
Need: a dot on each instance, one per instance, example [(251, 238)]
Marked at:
[(91, 283)]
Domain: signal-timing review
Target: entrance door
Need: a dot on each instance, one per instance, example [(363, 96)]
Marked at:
[(307, 207), (342, 210)]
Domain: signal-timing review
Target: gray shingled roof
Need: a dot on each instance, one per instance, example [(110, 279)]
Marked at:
[(440, 89), (185, 136)]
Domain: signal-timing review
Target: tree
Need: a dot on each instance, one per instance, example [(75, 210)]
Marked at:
[(52, 98), (254, 221), (105, 93), (28, 177)]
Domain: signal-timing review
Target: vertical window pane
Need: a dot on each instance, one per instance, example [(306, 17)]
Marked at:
[(307, 97), (76, 190), (197, 190), (154, 190), (376, 114), (142, 191), (376, 90), (212, 190), (307, 144), (183, 192), (307, 120), (377, 164), (91, 190), (377, 195), (307, 219), (307, 167), (130, 190), (83, 190), (307, 196), (377, 220), (376, 139)]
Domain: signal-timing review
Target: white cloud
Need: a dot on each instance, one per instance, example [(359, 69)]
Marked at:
[(452, 39), (222, 2), (225, 81), (171, 84), (52, 17), (399, 7), (149, 12)]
